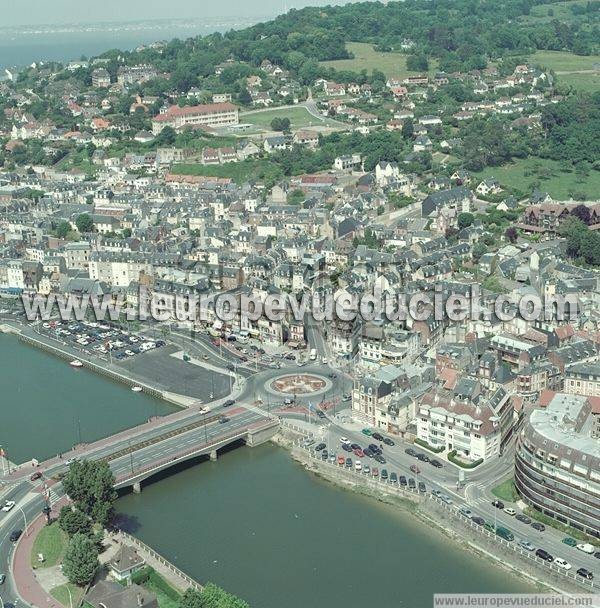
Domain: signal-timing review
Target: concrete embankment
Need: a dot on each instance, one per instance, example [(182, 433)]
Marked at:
[(440, 516)]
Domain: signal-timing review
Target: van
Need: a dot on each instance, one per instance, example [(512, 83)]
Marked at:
[(505, 533), (313, 354)]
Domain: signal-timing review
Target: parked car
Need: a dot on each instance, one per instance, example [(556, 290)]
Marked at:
[(9, 505), (571, 542), (384, 474), (341, 460), (436, 463), (562, 563), (523, 518), (412, 484), (525, 544), (464, 510), (478, 520), (346, 447), (543, 554), (498, 504), (374, 472), (377, 436), (422, 487), (393, 477), (415, 469), (585, 573), (358, 465), (504, 533), (423, 457), (319, 447), (586, 548), (402, 480), (388, 441), (366, 432), (536, 525), (349, 463), (510, 511), (410, 452)]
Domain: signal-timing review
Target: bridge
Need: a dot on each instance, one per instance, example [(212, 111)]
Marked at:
[(139, 453)]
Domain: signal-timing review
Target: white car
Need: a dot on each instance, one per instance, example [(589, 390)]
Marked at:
[(130, 353), (562, 563), (344, 440), (509, 511), (587, 548), (8, 506), (358, 465)]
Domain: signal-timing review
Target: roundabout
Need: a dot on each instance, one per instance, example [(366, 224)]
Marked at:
[(298, 384)]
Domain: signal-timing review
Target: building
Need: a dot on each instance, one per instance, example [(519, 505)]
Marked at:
[(110, 594), (347, 163), (583, 379), (100, 78), (125, 563), (209, 115), (557, 462), (468, 420)]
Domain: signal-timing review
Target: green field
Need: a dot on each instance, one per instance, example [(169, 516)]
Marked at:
[(548, 12), (249, 170), (561, 61), (51, 542), (366, 58), (586, 83), (550, 176), (300, 118)]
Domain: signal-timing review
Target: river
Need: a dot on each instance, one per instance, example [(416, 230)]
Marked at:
[(255, 521), (47, 406)]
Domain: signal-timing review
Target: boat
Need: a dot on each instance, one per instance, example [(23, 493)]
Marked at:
[(136, 389), (76, 363)]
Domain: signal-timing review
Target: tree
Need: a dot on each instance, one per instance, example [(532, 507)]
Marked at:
[(74, 522), (408, 129), (582, 213), (280, 124), (478, 250), (191, 599), (244, 97), (63, 229), (465, 220), (81, 560), (84, 223), (90, 484), (417, 63), (511, 234)]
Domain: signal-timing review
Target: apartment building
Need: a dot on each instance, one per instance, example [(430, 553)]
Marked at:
[(210, 115)]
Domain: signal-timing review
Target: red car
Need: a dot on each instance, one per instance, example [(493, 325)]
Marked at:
[(375, 472), (415, 469), (359, 453), (37, 475)]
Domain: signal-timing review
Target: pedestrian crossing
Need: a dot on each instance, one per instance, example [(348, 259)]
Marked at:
[(476, 494)]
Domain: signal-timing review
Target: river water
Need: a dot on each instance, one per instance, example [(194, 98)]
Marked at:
[(254, 522)]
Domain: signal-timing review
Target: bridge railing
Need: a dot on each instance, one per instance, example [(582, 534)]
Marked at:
[(136, 542), (181, 455)]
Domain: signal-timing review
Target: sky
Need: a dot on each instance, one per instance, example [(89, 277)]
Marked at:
[(38, 12)]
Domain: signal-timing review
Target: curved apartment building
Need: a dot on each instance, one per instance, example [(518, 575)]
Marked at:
[(557, 462)]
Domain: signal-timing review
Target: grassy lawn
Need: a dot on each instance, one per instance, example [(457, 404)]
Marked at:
[(562, 61), (299, 117), (239, 172), (506, 491), (166, 594), (550, 176), (366, 58), (51, 542), (560, 11), (586, 83), (61, 594)]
